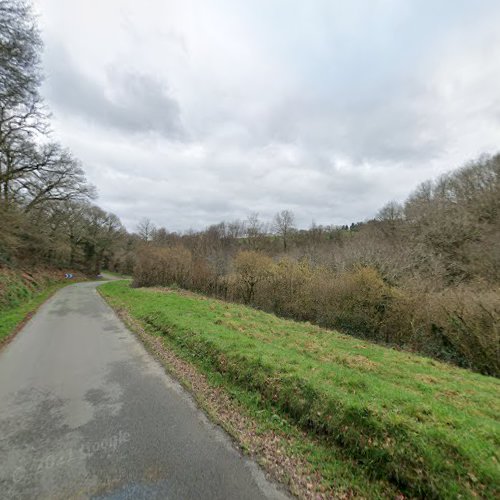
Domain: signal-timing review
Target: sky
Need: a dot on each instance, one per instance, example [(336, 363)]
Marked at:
[(189, 112)]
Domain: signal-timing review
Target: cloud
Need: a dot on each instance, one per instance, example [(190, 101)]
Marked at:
[(194, 112), (129, 102)]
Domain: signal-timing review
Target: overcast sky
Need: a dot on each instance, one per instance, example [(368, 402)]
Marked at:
[(194, 111)]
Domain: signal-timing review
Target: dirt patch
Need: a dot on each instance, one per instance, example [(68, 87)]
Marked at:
[(355, 361), (428, 379)]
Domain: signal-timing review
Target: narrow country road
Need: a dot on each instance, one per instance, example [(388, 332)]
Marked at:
[(86, 412)]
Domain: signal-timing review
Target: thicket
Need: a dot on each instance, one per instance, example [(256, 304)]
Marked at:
[(423, 276)]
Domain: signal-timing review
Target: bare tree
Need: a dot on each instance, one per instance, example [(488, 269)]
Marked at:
[(235, 229), (161, 237), (146, 229), (390, 217), (284, 225), (44, 194), (254, 230), (103, 230), (56, 176), (20, 46), (22, 116)]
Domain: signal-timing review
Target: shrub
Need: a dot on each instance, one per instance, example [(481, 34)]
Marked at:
[(17, 286), (163, 266), (355, 301), (251, 269), (290, 290), (469, 321)]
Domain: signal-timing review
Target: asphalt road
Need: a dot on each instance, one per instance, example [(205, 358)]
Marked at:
[(86, 412)]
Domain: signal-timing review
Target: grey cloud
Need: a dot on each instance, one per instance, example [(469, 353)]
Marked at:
[(199, 192), (327, 112), (130, 102), (393, 125), (401, 122)]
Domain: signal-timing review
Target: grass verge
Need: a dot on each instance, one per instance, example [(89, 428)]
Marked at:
[(363, 417), (22, 291), (14, 317), (117, 275)]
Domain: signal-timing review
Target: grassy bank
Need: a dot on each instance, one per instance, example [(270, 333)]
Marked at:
[(11, 318), (402, 421), (22, 293), (116, 275)]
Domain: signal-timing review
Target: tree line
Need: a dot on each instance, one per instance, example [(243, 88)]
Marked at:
[(423, 275), (46, 204)]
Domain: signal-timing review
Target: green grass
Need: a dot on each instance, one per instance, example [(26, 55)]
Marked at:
[(118, 275), (397, 419), (12, 316)]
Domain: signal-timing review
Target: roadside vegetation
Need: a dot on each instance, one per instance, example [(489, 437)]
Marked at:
[(419, 426), (117, 275), (21, 293), (49, 224)]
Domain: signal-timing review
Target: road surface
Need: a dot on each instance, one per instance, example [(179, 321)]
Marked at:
[(86, 412)]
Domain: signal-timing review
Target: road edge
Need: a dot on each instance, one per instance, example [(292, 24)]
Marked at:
[(51, 291), (290, 473)]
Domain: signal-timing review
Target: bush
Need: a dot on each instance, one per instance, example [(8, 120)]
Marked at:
[(355, 301), (290, 291), (469, 321), (251, 269), (164, 267)]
